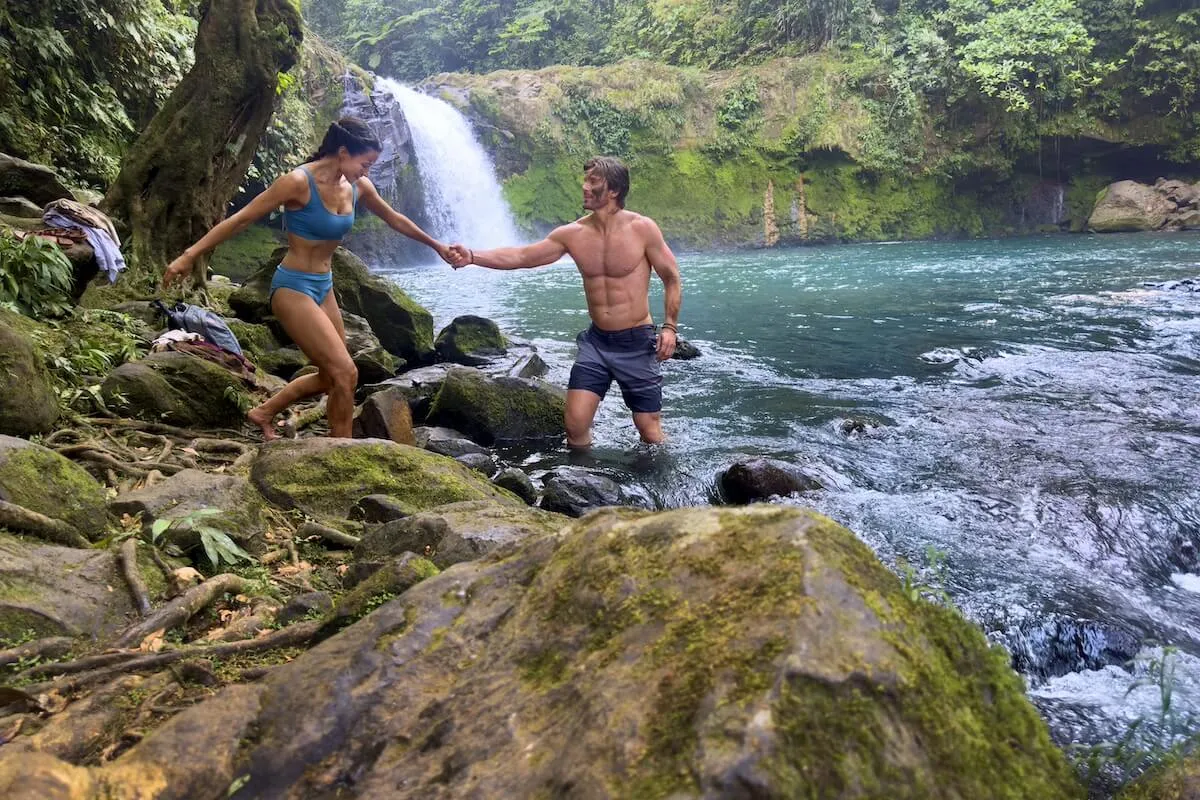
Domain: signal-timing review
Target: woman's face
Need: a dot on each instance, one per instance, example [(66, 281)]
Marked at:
[(355, 167)]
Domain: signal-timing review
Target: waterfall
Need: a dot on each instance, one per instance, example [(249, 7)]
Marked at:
[(463, 201)]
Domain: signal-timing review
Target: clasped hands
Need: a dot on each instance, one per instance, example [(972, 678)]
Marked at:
[(458, 256)]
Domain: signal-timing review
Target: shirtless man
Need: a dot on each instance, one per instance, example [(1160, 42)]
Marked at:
[(615, 250)]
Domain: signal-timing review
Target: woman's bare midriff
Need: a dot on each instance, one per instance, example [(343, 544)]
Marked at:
[(305, 255)]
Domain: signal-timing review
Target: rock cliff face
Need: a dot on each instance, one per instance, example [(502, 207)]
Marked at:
[(1132, 206), (713, 154)]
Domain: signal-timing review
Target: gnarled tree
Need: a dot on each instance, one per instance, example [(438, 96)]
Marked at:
[(177, 179)]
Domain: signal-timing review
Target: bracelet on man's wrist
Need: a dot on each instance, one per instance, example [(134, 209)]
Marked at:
[(671, 325)]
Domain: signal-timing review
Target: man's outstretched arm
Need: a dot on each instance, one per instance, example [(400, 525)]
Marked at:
[(662, 260), (547, 251)]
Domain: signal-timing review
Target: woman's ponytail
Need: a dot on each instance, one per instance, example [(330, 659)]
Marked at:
[(348, 132)]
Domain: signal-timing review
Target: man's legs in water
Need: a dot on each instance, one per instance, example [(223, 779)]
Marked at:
[(649, 426), (581, 410)]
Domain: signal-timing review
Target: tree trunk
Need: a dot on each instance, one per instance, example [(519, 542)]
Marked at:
[(178, 178)]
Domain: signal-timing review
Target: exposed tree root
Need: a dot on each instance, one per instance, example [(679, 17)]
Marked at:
[(182, 608), (292, 636), (328, 534), (53, 647), (129, 569), (22, 519)]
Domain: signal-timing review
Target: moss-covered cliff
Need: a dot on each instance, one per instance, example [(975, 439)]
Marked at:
[(710, 150)]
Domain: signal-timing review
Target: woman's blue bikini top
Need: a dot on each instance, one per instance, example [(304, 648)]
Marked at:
[(315, 222)]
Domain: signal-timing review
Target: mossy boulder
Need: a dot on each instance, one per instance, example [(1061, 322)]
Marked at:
[(1129, 206), (1178, 778), (404, 327), (457, 532), (470, 340), (326, 477), (43, 481), (179, 389), (46, 590), (241, 507), (28, 404), (760, 652), (490, 410)]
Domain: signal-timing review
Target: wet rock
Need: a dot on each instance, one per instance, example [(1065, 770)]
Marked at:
[(326, 477), (762, 479), (35, 182), (1053, 647), (457, 532), (489, 410), (373, 361), (530, 366), (28, 403), (43, 481), (178, 389), (446, 442), (1128, 206), (482, 463), (470, 340), (376, 508), (576, 490), (685, 350), (387, 415), (304, 605), (62, 591), (241, 508), (517, 482), (757, 652), (418, 385)]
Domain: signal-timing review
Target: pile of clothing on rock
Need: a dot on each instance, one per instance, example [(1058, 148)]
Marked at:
[(202, 333), (70, 223)]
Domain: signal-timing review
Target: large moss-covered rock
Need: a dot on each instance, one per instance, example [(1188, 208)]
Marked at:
[(28, 403), (46, 590), (404, 327), (241, 507), (1176, 779), (1129, 206), (490, 410), (326, 477), (756, 653), (470, 340), (179, 389), (43, 481)]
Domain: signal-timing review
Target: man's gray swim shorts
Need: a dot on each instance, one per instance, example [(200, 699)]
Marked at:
[(627, 356)]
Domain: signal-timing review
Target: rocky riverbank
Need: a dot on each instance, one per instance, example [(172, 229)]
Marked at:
[(187, 612)]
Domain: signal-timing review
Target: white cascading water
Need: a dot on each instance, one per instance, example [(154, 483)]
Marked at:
[(463, 201)]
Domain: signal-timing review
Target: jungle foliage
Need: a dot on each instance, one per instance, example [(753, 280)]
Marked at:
[(1027, 67), (79, 79)]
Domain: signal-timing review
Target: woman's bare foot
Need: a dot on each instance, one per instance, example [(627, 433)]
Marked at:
[(264, 421)]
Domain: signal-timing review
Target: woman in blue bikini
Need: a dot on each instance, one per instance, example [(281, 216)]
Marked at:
[(319, 199)]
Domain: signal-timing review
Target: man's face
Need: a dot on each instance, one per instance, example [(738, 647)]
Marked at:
[(595, 191)]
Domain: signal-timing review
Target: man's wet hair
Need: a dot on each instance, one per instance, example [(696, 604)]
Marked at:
[(615, 174), (351, 133)]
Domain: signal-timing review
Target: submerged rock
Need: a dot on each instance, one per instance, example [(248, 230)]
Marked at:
[(759, 652), (576, 490), (43, 481), (28, 403), (327, 477), (489, 410), (762, 479)]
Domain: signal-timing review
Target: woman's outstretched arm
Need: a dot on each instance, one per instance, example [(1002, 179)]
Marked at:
[(369, 196), (285, 189)]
